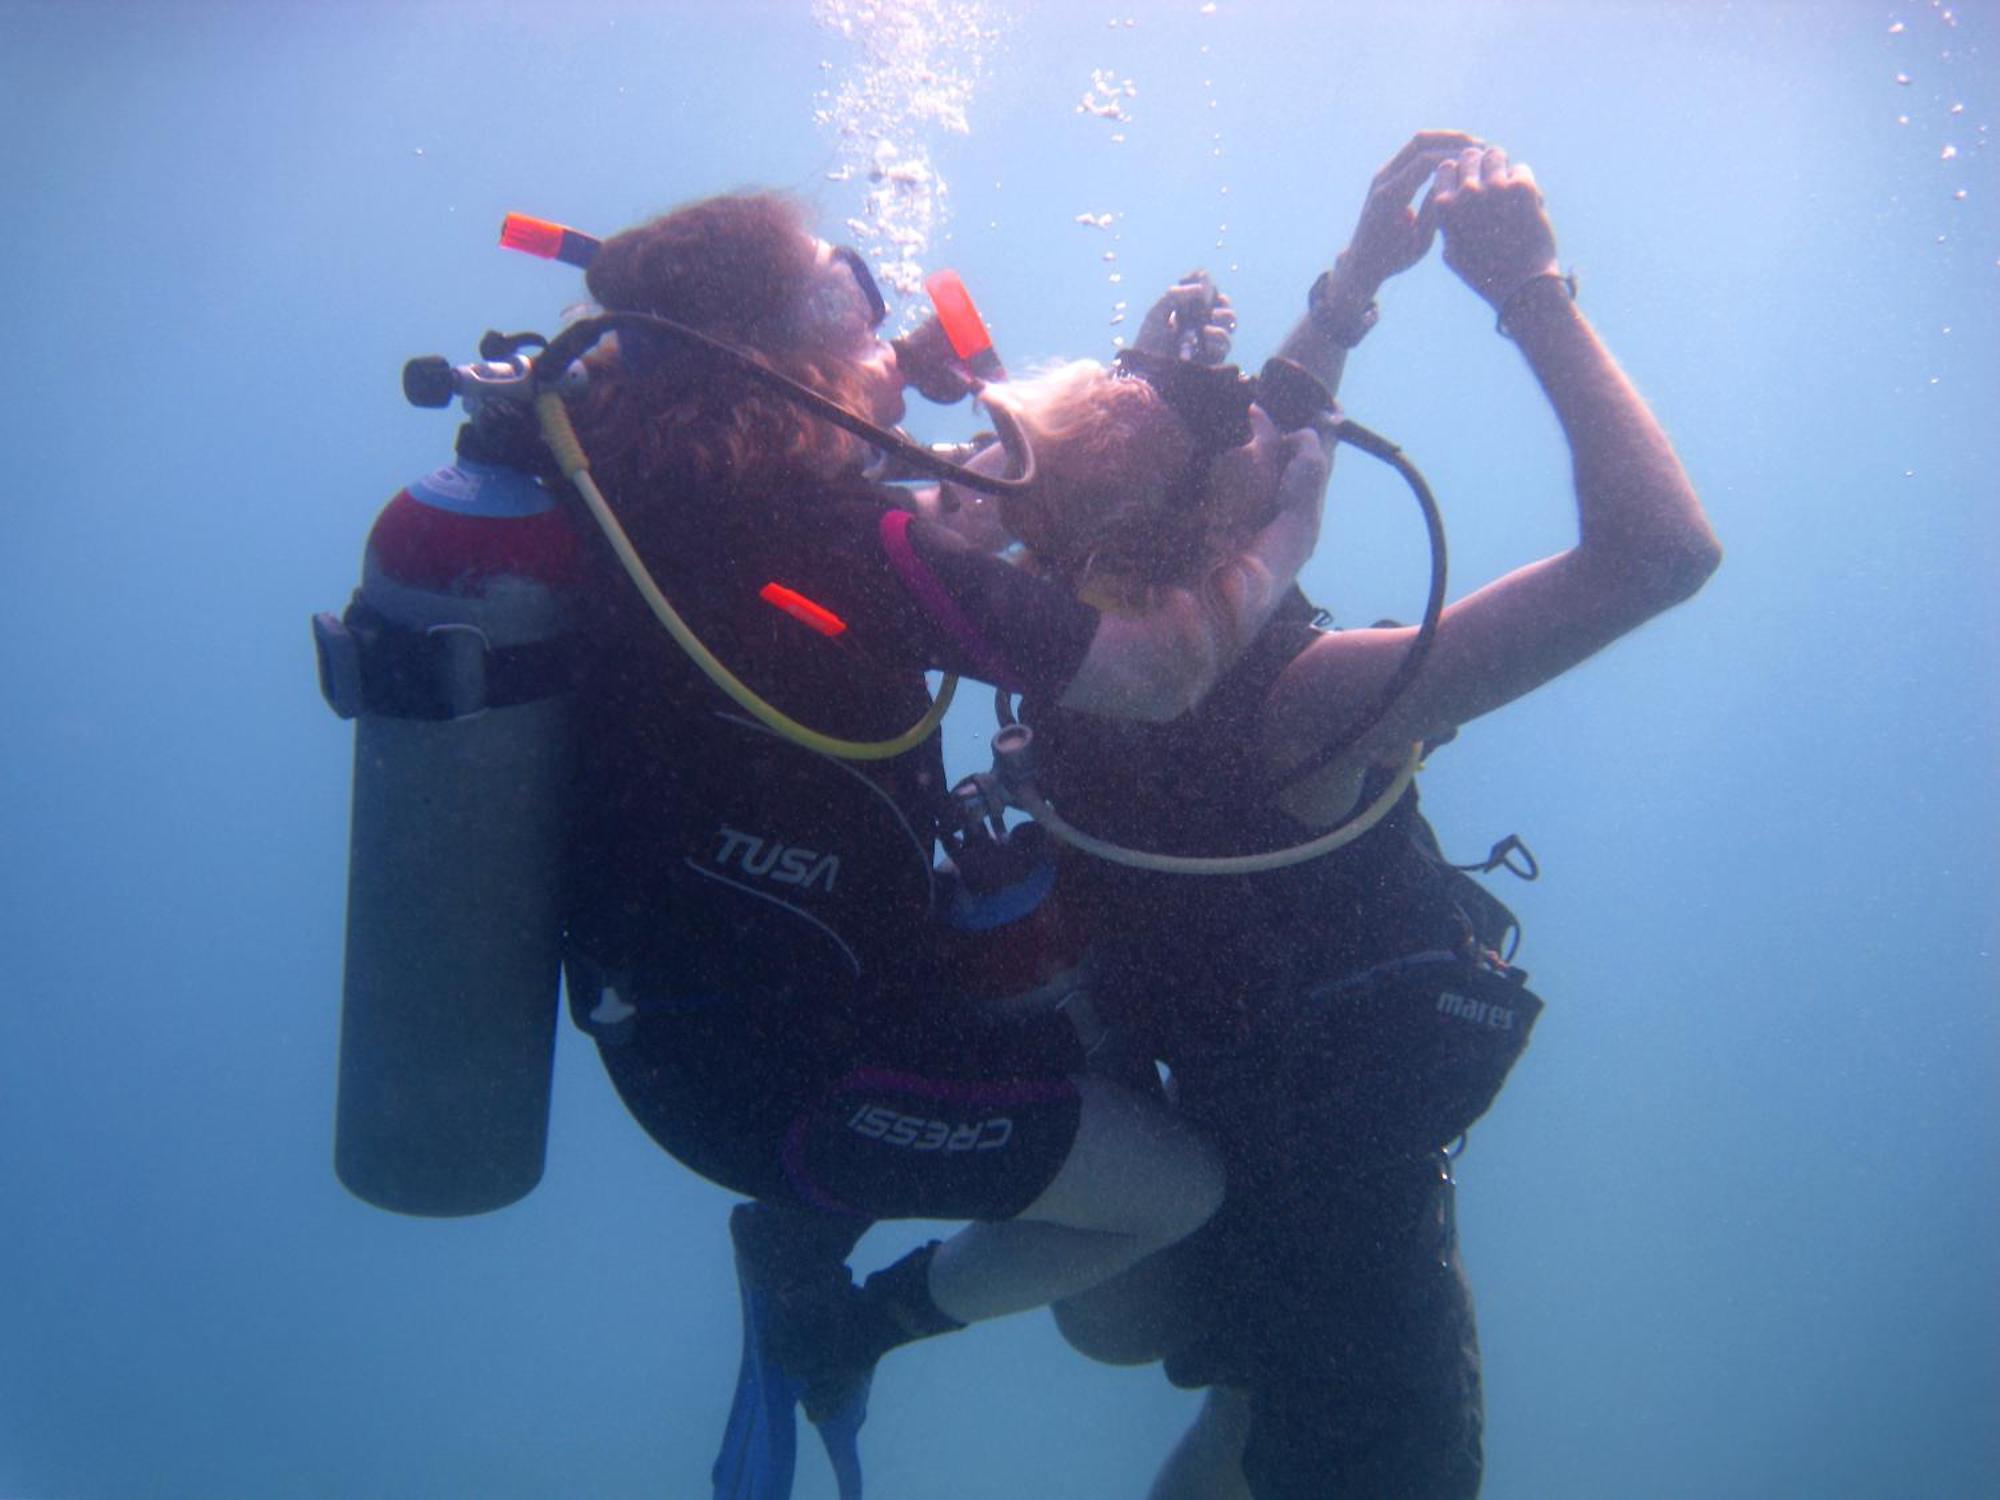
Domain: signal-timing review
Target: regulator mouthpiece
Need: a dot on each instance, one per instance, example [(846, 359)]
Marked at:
[(963, 326), (549, 240)]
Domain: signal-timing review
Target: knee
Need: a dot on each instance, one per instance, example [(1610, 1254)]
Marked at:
[(1200, 1185), (1128, 1320)]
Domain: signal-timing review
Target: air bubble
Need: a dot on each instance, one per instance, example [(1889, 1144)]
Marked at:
[(1948, 153), (1897, 29)]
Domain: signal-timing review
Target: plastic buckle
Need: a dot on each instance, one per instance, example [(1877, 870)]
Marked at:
[(459, 655), (339, 656), (611, 1019)]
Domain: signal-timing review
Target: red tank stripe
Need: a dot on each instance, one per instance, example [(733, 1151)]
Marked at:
[(442, 550)]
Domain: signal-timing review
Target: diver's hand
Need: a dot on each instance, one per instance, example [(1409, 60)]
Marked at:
[(1497, 234), (1390, 236), (1192, 321), (1308, 460)]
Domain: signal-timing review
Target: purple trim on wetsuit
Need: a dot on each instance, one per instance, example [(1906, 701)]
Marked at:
[(794, 1157), (924, 584)]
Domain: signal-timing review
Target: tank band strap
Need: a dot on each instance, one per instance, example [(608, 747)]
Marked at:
[(369, 664)]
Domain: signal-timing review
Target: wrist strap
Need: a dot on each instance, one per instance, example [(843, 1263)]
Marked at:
[(1345, 328), (1506, 303)]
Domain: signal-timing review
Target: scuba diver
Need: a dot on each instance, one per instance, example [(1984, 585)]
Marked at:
[(723, 830), (1336, 1023)]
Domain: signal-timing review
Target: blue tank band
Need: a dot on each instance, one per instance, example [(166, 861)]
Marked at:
[(476, 489), (986, 910)]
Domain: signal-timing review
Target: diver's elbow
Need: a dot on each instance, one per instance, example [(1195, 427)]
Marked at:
[(1683, 569)]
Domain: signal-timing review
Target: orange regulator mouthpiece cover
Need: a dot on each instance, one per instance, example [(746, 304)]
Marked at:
[(957, 316), (549, 240)]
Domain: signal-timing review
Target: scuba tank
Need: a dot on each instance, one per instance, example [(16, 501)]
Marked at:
[(1005, 944), (450, 661), (1011, 948)]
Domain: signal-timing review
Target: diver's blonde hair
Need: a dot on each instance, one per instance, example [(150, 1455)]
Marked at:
[(1110, 511)]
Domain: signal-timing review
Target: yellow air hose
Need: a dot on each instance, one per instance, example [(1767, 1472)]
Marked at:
[(570, 458)]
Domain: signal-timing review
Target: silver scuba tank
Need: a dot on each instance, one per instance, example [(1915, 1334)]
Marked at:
[(451, 662)]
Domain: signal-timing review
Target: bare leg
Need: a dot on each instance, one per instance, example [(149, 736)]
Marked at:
[(1207, 1463), (1127, 1320), (1137, 1179)]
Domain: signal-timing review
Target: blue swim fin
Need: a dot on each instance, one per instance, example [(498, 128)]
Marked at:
[(760, 1443), (840, 1430), (780, 1250)]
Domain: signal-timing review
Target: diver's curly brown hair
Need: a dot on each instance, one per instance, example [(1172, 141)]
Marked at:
[(667, 425)]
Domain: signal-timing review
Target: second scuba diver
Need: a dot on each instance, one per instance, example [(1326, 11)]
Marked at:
[(1337, 1023)]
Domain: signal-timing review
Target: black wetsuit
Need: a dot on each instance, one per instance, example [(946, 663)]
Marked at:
[(750, 930), (1329, 1285)]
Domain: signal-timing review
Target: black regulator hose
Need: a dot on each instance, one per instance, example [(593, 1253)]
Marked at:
[(1376, 446), (581, 337)]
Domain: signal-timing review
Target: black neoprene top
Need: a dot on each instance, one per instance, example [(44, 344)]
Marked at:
[(715, 861), (1184, 957)]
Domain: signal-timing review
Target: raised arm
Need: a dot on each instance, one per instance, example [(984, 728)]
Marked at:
[(1643, 542)]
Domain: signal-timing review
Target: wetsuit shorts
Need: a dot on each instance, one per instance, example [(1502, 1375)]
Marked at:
[(944, 1117), (1341, 1305)]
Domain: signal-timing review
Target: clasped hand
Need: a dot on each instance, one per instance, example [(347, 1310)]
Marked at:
[(1496, 229)]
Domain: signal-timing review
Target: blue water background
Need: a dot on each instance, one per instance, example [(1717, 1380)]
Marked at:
[(1732, 1226)]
